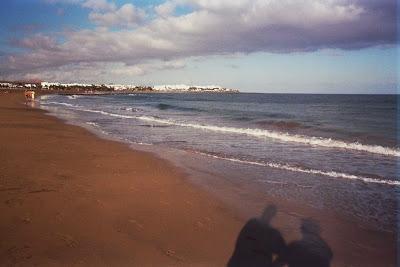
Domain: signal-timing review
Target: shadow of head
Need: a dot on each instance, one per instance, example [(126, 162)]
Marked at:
[(260, 244), (310, 226), (268, 214), (311, 249)]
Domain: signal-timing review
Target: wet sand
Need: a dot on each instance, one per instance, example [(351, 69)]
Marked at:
[(68, 197)]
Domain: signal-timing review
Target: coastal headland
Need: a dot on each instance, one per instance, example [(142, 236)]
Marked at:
[(68, 197)]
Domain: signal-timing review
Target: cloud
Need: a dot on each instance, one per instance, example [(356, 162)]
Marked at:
[(126, 16), (37, 42), (96, 72), (166, 9), (210, 28), (142, 69), (99, 5)]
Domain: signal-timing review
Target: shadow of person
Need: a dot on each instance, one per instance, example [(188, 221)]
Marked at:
[(311, 250), (258, 242)]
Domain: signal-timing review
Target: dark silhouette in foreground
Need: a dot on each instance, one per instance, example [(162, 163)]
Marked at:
[(259, 244), (311, 250)]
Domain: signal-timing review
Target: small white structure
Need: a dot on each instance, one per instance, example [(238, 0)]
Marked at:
[(46, 85), (30, 85), (6, 85), (193, 88)]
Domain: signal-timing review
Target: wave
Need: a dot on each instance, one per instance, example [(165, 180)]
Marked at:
[(92, 124), (60, 103), (163, 106), (74, 96), (45, 97), (154, 126), (281, 125), (285, 137), (131, 109), (108, 113), (279, 115), (287, 167), (261, 133)]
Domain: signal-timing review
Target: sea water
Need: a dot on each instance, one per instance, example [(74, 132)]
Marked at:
[(328, 151)]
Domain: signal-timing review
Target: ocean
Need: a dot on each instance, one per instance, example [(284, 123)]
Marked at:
[(335, 152)]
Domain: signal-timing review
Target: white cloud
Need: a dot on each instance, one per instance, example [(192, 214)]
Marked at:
[(99, 5), (37, 42), (98, 72), (210, 28), (126, 16), (165, 9)]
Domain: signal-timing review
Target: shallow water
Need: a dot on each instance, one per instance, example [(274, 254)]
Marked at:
[(336, 151)]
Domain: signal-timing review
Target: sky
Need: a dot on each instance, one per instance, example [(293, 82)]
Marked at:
[(277, 46)]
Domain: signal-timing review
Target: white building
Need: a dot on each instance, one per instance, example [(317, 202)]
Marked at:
[(6, 85), (30, 85), (46, 85), (184, 87)]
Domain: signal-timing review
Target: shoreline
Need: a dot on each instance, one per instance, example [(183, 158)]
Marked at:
[(55, 190), (201, 227)]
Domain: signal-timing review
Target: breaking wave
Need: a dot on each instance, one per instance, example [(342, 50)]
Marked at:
[(280, 125), (260, 133), (162, 106), (131, 109), (60, 103), (92, 124), (285, 137), (45, 97), (287, 167), (74, 96)]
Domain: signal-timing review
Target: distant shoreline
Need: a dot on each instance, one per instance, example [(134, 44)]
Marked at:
[(56, 86)]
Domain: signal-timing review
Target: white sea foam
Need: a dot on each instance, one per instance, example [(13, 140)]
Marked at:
[(73, 96), (60, 103), (308, 140), (130, 109), (45, 97), (108, 113), (287, 167), (92, 124), (260, 133), (315, 141)]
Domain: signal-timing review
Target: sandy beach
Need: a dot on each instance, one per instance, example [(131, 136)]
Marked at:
[(69, 198)]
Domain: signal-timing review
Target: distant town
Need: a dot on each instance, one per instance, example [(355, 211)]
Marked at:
[(117, 88)]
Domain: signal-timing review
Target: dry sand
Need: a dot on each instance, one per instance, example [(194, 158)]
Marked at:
[(68, 197)]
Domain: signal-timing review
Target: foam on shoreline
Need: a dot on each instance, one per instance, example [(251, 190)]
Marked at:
[(259, 133), (287, 167)]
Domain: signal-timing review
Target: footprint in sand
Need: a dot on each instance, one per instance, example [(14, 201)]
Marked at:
[(171, 253), (12, 202), (136, 223), (69, 240), (18, 254), (204, 224), (26, 220)]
